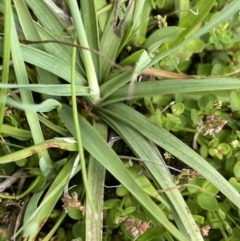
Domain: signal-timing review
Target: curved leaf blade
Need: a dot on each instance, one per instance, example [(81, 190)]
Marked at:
[(146, 151), (171, 144), (94, 144), (160, 37), (163, 87)]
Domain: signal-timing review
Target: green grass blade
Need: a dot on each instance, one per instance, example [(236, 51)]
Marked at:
[(131, 23), (88, 11), (102, 13), (49, 19), (54, 29), (146, 151), (26, 95), (16, 133), (163, 87), (55, 227), (29, 151), (31, 33), (96, 178), (50, 63), (57, 129), (86, 55), (171, 144), (57, 90), (78, 130), (58, 50), (6, 58), (108, 38), (113, 84), (191, 21), (38, 216), (94, 144)]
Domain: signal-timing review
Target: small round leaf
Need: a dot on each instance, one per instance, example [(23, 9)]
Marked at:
[(209, 187), (75, 213), (207, 202), (235, 101), (177, 109), (236, 170), (128, 211), (111, 203), (204, 151), (121, 191), (169, 125), (235, 183), (199, 219), (78, 230), (205, 100), (174, 119)]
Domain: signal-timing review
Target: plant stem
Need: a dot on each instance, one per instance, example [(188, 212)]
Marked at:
[(77, 126), (6, 57)]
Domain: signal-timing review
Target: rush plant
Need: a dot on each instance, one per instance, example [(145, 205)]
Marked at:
[(69, 59)]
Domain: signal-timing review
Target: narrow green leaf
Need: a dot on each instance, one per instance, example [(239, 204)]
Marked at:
[(96, 178), (35, 220), (133, 20), (26, 96), (109, 38), (102, 8), (48, 18), (57, 90), (94, 144), (6, 58), (18, 155), (163, 87), (182, 6), (146, 151), (45, 106), (160, 37), (14, 132), (51, 63), (30, 32), (57, 49), (113, 84), (89, 14), (171, 144), (191, 21), (86, 55)]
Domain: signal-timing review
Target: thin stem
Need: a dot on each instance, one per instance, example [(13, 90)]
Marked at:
[(77, 126), (6, 57), (187, 185), (225, 236), (180, 128)]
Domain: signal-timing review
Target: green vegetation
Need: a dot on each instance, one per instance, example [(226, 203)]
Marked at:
[(98, 107)]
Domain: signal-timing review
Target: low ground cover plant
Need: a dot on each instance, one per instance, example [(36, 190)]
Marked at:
[(119, 120)]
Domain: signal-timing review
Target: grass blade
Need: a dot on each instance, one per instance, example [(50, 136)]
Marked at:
[(163, 87), (94, 144), (26, 95), (6, 58), (171, 144), (145, 150), (96, 178)]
